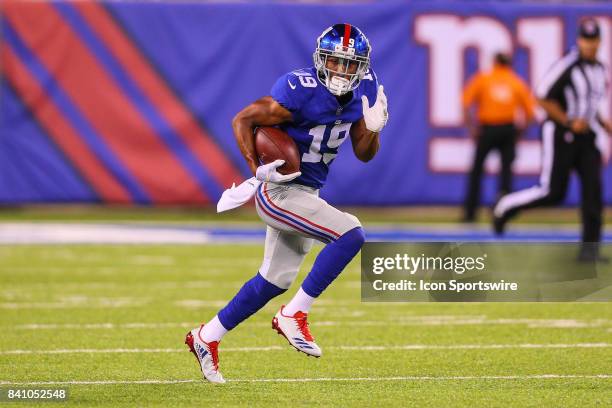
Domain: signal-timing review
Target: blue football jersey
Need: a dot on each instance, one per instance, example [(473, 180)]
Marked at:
[(320, 124)]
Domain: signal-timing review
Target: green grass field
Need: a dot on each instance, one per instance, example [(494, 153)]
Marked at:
[(108, 322), (193, 215)]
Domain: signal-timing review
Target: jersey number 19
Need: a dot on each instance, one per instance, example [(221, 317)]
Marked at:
[(336, 137)]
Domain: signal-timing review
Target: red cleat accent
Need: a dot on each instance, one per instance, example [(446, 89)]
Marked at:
[(301, 319), (206, 354), (295, 330), (189, 343), (213, 347)]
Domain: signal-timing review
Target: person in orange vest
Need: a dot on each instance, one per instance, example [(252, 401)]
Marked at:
[(504, 107)]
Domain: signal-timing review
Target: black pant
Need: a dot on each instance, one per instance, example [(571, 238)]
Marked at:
[(563, 151), (502, 138)]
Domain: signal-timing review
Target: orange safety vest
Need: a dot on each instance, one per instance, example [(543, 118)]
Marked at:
[(498, 95)]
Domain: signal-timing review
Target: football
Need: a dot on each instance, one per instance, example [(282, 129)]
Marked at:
[(273, 144)]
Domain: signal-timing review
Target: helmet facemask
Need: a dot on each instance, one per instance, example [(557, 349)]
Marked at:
[(340, 70)]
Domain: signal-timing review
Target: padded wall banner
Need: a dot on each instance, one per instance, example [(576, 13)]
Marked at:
[(131, 102)]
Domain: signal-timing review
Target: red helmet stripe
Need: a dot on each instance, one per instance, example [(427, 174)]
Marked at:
[(347, 35)]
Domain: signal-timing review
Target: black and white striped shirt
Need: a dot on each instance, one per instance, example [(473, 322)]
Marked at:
[(579, 86)]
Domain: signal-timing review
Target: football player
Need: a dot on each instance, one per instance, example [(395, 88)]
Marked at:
[(320, 108)]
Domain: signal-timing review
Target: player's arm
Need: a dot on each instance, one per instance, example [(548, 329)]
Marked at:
[(606, 124), (555, 112), (468, 98), (263, 112), (365, 132), (365, 142), (549, 91), (527, 102)]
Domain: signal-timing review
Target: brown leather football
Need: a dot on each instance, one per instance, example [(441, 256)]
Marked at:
[(272, 144)]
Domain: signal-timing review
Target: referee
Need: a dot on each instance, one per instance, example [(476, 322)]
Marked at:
[(574, 135)]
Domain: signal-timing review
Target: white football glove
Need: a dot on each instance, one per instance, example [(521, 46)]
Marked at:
[(375, 117), (267, 172)]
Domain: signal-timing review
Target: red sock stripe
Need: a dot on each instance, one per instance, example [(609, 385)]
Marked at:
[(269, 200), (347, 35), (60, 131), (210, 156), (102, 103)]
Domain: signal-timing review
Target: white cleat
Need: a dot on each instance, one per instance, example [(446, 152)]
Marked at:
[(295, 330), (206, 354)]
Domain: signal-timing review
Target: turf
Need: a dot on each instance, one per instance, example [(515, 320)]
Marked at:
[(387, 215), (147, 297)]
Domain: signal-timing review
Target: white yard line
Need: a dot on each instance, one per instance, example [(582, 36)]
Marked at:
[(103, 326), (23, 289), (79, 301), (473, 346), (448, 320), (20, 233), (85, 301), (96, 233), (197, 304), (344, 348), (322, 379)]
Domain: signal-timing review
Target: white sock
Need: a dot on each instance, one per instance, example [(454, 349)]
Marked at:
[(213, 330), (301, 302)]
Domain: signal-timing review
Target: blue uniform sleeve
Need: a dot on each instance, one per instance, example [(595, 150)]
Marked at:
[(290, 92)]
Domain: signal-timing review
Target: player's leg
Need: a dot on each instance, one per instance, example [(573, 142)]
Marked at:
[(283, 255), (588, 166), (557, 161), (507, 148), (301, 210), (472, 198), (330, 262)]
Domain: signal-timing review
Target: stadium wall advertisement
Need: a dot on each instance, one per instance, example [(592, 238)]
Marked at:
[(131, 102)]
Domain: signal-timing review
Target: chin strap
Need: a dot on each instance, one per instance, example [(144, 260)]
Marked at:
[(338, 85)]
